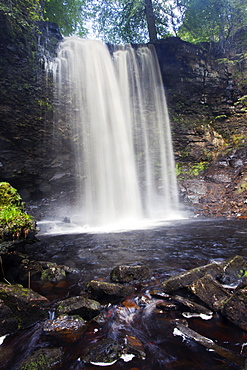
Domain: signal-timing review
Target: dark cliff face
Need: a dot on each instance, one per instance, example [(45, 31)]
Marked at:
[(205, 88), (25, 105)]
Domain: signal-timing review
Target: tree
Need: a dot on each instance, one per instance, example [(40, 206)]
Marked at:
[(67, 14), (211, 20), (115, 21), (150, 20)]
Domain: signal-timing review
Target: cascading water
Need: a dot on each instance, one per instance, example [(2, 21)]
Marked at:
[(116, 110)]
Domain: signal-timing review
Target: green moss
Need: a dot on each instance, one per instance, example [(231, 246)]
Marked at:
[(190, 170), (14, 221)]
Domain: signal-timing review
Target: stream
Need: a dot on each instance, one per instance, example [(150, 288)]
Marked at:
[(167, 248)]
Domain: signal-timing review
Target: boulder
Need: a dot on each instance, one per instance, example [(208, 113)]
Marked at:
[(65, 327), (103, 352), (210, 292), (84, 307), (45, 271), (43, 358), (101, 288), (9, 323), (235, 308), (127, 273), (234, 269), (186, 278), (27, 306)]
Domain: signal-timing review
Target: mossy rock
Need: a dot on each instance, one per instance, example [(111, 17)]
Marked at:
[(15, 223), (44, 358), (9, 196)]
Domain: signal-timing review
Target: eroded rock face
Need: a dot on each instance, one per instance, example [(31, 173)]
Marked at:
[(222, 189), (206, 100)]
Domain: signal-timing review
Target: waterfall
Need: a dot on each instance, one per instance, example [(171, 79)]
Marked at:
[(115, 109)]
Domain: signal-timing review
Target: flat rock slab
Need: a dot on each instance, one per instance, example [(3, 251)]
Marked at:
[(235, 308), (210, 292), (186, 278), (84, 307), (27, 305), (194, 307), (101, 288), (127, 273)]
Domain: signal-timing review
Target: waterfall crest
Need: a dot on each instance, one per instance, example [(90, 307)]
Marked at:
[(116, 109)]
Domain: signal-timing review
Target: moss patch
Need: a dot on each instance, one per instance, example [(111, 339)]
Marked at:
[(15, 223)]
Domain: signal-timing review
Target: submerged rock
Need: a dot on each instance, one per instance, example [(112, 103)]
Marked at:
[(101, 288), (186, 278), (44, 358), (185, 331), (84, 307), (65, 327), (210, 292), (127, 273)]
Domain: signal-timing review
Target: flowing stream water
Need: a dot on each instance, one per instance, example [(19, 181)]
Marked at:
[(115, 108), (166, 249)]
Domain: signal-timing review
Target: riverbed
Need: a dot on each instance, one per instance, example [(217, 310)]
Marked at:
[(167, 248)]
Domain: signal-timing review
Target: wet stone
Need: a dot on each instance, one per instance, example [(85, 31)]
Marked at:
[(84, 307), (105, 351), (9, 323), (194, 307), (44, 358), (27, 305), (210, 292), (235, 309), (134, 346), (127, 273), (186, 278), (65, 327), (100, 288), (234, 269)]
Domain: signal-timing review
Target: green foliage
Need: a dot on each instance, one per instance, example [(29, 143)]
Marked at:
[(114, 21), (67, 14), (13, 219), (23, 12), (9, 196), (190, 170), (212, 20)]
